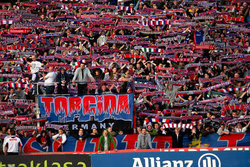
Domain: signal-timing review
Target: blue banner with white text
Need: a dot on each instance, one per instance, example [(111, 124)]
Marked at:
[(89, 111)]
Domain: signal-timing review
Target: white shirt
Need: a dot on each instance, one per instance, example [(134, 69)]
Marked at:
[(105, 143), (138, 100), (63, 136), (4, 141), (242, 130), (50, 79), (220, 130), (101, 40), (35, 67), (13, 144)]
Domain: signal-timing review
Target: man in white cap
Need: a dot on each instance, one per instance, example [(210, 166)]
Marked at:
[(82, 76)]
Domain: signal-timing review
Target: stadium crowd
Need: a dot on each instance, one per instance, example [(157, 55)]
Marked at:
[(185, 61)]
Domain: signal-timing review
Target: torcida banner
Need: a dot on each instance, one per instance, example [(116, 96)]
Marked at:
[(90, 111)]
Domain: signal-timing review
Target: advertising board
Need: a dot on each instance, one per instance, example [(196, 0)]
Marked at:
[(173, 159), (66, 160)]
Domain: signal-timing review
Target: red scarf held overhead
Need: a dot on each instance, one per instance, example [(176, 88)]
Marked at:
[(12, 47), (17, 31), (202, 47), (229, 18), (133, 56), (182, 59)]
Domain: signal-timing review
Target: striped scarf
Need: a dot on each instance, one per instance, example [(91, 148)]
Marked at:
[(163, 75), (214, 100), (60, 56), (124, 37), (197, 65), (242, 107), (12, 47), (229, 18), (163, 120), (159, 99), (176, 10), (154, 22), (223, 84), (124, 8), (144, 85), (227, 90), (78, 37), (149, 50), (140, 43), (241, 79), (66, 49), (152, 93), (237, 120), (207, 17), (170, 111), (140, 90), (180, 125), (12, 75), (133, 56), (44, 119), (51, 35), (205, 80), (180, 83), (203, 47), (190, 60), (15, 85), (6, 21), (6, 112), (27, 87), (64, 65), (194, 92), (57, 127)]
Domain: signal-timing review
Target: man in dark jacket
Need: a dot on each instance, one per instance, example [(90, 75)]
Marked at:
[(81, 135), (44, 140), (177, 138), (62, 82)]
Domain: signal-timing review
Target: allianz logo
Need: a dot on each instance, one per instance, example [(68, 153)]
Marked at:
[(206, 160), (209, 160)]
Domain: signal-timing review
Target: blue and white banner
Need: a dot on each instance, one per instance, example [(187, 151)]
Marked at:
[(98, 111)]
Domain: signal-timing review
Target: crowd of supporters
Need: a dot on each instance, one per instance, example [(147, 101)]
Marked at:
[(185, 61)]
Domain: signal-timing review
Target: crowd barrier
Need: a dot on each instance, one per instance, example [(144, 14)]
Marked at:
[(185, 157), (129, 141)]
